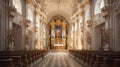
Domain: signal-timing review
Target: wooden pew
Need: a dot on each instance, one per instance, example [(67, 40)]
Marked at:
[(16, 55), (6, 63), (27, 57), (110, 61), (99, 58), (16, 59), (116, 62), (96, 58)]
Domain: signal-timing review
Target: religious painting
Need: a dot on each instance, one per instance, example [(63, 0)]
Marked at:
[(58, 31)]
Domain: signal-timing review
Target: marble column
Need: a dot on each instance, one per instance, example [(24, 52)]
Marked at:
[(52, 34), (40, 34), (80, 25), (44, 41), (71, 33), (11, 16), (27, 39), (64, 34), (64, 30), (76, 34), (72, 30), (74, 44)]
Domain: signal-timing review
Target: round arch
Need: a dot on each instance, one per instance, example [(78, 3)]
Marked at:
[(67, 16)]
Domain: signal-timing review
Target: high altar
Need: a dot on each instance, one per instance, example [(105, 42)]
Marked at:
[(58, 33)]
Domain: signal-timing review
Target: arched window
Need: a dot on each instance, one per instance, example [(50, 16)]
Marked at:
[(98, 6), (18, 5), (30, 12), (102, 4)]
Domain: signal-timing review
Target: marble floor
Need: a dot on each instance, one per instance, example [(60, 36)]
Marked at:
[(58, 59)]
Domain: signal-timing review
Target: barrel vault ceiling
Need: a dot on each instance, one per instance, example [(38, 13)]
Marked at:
[(65, 8)]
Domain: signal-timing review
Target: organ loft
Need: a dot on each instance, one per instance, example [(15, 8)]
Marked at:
[(59, 33)]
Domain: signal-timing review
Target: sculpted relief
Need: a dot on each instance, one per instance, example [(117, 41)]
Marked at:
[(11, 39), (118, 9), (105, 40), (89, 23), (88, 38), (105, 36)]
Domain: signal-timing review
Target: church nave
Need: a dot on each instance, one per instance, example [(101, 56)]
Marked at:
[(59, 33), (59, 59)]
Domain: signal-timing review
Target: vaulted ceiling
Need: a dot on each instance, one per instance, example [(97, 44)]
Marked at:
[(65, 8)]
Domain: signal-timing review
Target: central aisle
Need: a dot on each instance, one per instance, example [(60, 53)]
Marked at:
[(58, 59)]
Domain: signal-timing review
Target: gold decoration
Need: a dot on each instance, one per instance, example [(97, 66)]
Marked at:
[(27, 23), (36, 29), (58, 21), (11, 39), (105, 36), (89, 23), (11, 35), (12, 11), (105, 10), (27, 1), (88, 38), (105, 39), (26, 40)]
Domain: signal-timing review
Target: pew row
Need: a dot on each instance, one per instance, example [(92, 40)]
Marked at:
[(21, 58), (97, 58)]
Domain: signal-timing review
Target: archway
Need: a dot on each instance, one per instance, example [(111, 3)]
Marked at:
[(58, 30)]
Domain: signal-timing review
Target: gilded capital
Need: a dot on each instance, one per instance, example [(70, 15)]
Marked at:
[(81, 14), (27, 1), (64, 26), (89, 23), (52, 27), (37, 12), (27, 23)]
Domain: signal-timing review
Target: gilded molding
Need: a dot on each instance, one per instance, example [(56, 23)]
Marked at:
[(27, 23), (118, 9), (89, 23), (12, 11), (27, 1)]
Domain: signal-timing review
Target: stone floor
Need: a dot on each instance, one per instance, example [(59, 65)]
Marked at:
[(58, 59)]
